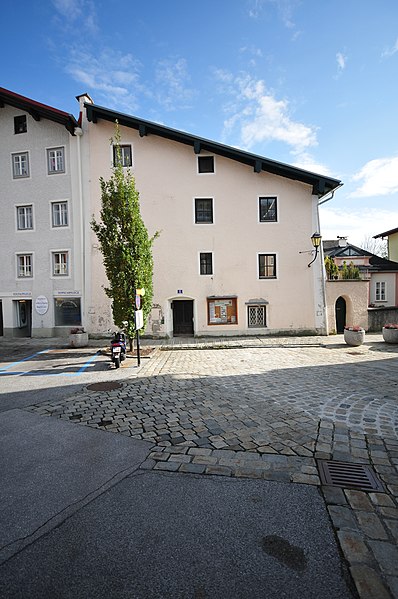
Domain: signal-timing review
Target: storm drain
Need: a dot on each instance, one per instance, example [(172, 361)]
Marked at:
[(104, 386), (348, 475)]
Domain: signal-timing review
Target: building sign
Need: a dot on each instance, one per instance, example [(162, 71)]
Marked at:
[(139, 319), (41, 304), (222, 310)]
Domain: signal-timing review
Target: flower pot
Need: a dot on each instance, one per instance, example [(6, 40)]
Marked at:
[(354, 338), (390, 335), (78, 339)]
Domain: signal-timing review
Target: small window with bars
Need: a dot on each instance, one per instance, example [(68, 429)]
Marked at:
[(206, 263), (257, 317), (203, 210)]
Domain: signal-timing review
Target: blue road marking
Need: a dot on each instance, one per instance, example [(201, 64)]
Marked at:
[(44, 351), (32, 373)]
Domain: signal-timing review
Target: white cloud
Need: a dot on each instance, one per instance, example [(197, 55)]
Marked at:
[(341, 61), (388, 52), (307, 162), (357, 225), (377, 178), (82, 11), (172, 83), (257, 116)]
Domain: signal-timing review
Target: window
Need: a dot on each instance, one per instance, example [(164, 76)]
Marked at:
[(222, 310), (206, 263), (24, 266), (20, 165), (20, 124), (56, 160), (205, 164), (24, 217), (59, 211), (60, 264), (256, 317), (380, 291), (67, 311), (267, 207), (123, 155), (203, 210), (267, 266)]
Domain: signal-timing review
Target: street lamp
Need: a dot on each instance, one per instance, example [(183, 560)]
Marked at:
[(316, 242)]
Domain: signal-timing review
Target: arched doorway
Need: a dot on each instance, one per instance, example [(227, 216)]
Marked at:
[(340, 311)]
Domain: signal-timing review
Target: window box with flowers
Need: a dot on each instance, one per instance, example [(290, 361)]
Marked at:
[(390, 333), (78, 337), (354, 335)]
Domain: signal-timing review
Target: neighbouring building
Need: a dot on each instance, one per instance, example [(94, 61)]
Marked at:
[(40, 273), (366, 300), (392, 243), (234, 247)]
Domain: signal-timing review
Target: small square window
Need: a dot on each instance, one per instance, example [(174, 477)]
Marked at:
[(24, 217), (203, 210), (20, 124), (268, 209), (24, 266), (123, 155), (60, 264), (256, 317), (56, 160), (205, 164), (267, 266), (206, 263), (20, 165), (59, 212)]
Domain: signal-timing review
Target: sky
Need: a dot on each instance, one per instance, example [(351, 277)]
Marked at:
[(312, 83)]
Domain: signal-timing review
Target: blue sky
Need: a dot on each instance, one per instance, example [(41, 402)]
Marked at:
[(312, 83)]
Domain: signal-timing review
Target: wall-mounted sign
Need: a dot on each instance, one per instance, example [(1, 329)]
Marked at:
[(180, 291), (41, 304), (139, 319)]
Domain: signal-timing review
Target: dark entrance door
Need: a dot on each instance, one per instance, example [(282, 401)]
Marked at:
[(182, 318), (340, 314)]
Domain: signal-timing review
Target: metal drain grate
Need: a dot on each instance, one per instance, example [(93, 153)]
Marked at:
[(104, 386), (351, 476)]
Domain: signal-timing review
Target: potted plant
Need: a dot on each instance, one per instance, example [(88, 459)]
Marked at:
[(78, 337), (354, 335), (390, 333)]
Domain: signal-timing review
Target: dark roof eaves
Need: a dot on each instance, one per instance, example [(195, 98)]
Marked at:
[(43, 110), (320, 183), (386, 233)]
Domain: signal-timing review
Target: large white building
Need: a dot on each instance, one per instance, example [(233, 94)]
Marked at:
[(233, 253)]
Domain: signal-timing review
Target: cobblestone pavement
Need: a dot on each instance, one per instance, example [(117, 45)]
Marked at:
[(269, 408)]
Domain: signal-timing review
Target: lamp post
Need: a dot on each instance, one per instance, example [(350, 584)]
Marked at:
[(316, 239)]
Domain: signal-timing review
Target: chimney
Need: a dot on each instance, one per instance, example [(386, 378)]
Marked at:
[(342, 241)]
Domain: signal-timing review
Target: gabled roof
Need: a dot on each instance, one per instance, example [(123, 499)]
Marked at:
[(321, 184), (376, 263), (37, 110), (386, 233)]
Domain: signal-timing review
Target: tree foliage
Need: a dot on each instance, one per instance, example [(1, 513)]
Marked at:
[(125, 244), (331, 267)]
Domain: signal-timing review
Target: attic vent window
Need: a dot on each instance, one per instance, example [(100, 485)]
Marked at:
[(206, 164), (20, 124)]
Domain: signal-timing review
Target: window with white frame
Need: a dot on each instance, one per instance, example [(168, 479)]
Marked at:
[(24, 217), (205, 164), (122, 154), (267, 266), (256, 316), (268, 209), (203, 210), (380, 291), (206, 263), (56, 160), (60, 264), (24, 266), (20, 165), (59, 214)]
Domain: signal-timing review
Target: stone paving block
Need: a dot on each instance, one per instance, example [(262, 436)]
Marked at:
[(168, 466), (386, 555), (159, 456), (342, 518), (219, 470), (334, 495), (368, 582), (389, 512), (207, 460), (354, 547), (307, 479), (192, 468), (180, 458), (248, 472), (370, 524), (381, 499), (359, 500), (392, 526), (199, 451)]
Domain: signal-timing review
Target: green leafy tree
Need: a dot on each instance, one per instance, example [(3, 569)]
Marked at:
[(349, 271), (331, 267), (125, 245)]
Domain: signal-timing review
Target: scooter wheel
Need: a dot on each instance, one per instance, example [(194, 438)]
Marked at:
[(117, 362)]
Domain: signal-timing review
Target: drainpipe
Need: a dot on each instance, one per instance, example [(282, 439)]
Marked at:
[(79, 133)]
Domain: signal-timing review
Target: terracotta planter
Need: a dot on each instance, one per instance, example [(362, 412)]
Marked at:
[(390, 335), (354, 338), (78, 339)]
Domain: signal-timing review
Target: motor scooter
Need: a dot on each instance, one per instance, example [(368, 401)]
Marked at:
[(118, 348)]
